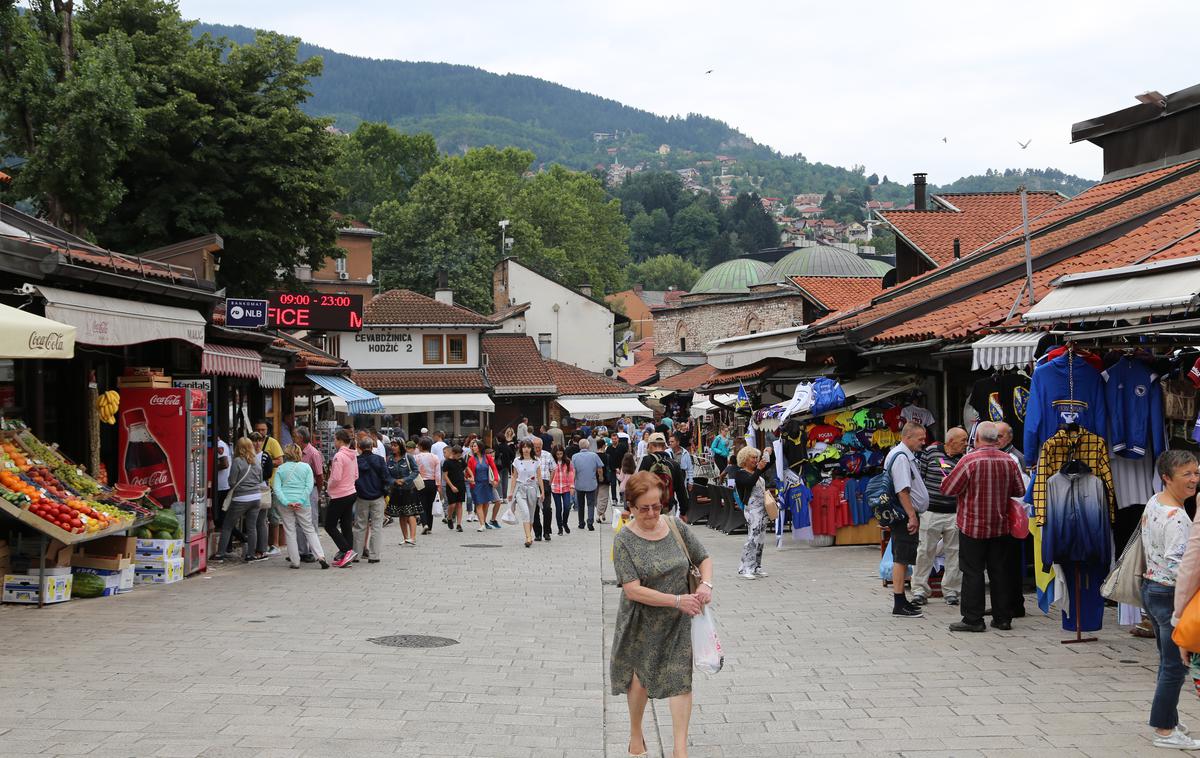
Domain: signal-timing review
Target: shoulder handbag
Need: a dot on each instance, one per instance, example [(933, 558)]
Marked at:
[(229, 495), (1124, 583), (693, 572), (771, 505)]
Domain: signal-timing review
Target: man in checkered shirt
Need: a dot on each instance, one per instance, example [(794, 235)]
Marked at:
[(984, 481)]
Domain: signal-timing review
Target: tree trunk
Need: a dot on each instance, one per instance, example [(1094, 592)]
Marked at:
[(64, 9)]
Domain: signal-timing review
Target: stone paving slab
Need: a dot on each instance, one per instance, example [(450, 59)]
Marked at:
[(260, 660)]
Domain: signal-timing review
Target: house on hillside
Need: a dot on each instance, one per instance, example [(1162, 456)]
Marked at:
[(637, 304)]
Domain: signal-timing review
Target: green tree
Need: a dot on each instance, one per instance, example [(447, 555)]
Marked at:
[(692, 231), (664, 272), (755, 228), (187, 136), (828, 200), (873, 180), (654, 190), (378, 163), (649, 234)]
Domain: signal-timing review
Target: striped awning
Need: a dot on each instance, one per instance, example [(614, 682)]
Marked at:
[(273, 377), (1011, 350), (226, 360), (358, 400)]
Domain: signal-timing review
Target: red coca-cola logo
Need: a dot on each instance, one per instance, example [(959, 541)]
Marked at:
[(166, 399), (152, 479), (46, 341)]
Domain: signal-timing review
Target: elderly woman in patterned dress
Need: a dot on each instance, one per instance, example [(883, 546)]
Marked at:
[(652, 644)]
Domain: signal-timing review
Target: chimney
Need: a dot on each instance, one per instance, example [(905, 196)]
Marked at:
[(919, 191), (586, 289), (443, 293), (957, 249)]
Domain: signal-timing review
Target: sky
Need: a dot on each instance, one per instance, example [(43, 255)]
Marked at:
[(945, 88)]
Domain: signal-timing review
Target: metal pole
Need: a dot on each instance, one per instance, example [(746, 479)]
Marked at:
[(1028, 253)]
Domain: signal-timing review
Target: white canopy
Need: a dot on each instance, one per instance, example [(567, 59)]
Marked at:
[(1005, 350), (604, 407), (421, 403), (1131, 292), (702, 405), (743, 350), (114, 322), (25, 335)]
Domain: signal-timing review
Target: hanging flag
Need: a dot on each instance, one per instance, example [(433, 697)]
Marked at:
[(743, 397)]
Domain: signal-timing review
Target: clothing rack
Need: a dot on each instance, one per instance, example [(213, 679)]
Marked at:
[(1078, 612)]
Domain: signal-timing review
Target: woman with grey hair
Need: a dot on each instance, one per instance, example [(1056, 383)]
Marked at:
[(1165, 540), (752, 495)]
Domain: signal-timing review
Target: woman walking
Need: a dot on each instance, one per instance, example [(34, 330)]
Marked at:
[(293, 484), (481, 470), (1165, 529), (719, 447), (245, 494), (628, 469), (652, 644), (562, 479), (339, 517), (431, 473), (752, 492), (527, 491), (402, 500)]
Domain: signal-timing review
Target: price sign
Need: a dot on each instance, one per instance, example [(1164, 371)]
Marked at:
[(301, 310)]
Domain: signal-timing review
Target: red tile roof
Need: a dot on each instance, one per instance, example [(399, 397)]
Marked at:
[(509, 312), (572, 380), (1095, 210), (746, 373), (1151, 241), (408, 308), (691, 379), (835, 293), (645, 365), (422, 380), (513, 362), (981, 217)]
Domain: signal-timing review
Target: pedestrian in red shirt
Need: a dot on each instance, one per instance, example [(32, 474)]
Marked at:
[(984, 481)]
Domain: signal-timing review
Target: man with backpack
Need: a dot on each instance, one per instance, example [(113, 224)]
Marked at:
[(909, 488), (674, 487)]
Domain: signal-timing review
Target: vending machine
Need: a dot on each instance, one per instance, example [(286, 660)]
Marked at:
[(164, 446)]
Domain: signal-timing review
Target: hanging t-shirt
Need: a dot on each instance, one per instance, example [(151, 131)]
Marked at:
[(891, 417), (1002, 398), (824, 433), (885, 438), (918, 414)]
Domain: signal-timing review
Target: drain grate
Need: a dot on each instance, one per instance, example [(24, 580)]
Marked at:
[(412, 641), (480, 544)]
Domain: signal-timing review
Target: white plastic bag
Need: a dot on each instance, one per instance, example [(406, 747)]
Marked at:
[(437, 506), (509, 516), (707, 654)]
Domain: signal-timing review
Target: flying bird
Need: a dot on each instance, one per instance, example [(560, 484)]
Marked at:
[(945, 139), (709, 71), (1024, 144)]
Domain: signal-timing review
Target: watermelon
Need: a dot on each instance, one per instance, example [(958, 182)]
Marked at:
[(177, 533), (144, 534), (87, 585), (164, 521), (163, 535)]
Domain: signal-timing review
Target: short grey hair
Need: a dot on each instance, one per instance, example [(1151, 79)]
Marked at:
[(302, 431), (585, 443), (988, 432), (746, 453), (1171, 461)]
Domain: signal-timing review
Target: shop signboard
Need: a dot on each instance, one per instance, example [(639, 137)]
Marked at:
[(315, 310), (242, 313)]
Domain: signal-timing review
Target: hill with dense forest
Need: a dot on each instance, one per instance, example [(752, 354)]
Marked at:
[(465, 107)]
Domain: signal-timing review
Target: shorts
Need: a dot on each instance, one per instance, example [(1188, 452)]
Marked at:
[(904, 545), (483, 493), (275, 514), (454, 498)]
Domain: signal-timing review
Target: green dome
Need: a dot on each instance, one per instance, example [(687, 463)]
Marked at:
[(737, 275), (820, 260), (881, 267)]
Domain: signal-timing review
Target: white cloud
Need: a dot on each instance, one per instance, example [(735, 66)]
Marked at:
[(841, 83)]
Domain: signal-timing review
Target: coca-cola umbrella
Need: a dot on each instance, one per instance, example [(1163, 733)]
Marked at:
[(25, 335)]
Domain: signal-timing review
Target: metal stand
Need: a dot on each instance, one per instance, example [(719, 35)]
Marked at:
[(1078, 634)]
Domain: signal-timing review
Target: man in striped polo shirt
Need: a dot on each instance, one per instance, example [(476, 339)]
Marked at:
[(938, 522)]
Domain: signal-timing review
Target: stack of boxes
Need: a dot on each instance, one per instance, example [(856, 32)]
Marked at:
[(26, 586), (110, 558), (158, 561)]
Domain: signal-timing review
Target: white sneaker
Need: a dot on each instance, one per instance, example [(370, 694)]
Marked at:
[(761, 574), (746, 575), (1176, 741), (273, 551), (480, 529)]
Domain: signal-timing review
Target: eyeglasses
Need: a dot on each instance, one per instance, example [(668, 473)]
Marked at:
[(645, 508)]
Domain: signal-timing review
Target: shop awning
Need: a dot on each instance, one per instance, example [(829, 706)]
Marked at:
[(226, 360), (1005, 350), (703, 405), (1130, 292), (422, 403), (603, 407), (870, 389), (26, 335), (273, 377), (114, 322), (736, 352), (355, 398)]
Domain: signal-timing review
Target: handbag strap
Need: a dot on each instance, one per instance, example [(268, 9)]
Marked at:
[(239, 481), (679, 539)]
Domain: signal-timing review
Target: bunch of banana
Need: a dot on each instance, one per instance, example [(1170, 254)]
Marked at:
[(107, 404)]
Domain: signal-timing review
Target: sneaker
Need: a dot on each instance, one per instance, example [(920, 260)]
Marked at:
[(426, 530), (450, 525), (566, 529), (338, 557), (962, 626), (761, 574), (308, 559), (346, 559), (1177, 740), (216, 559), (256, 559), (293, 565), (547, 537), (458, 528), (485, 526), (918, 600), (324, 563), (951, 599), (495, 524), (908, 612), (273, 551), (747, 575)]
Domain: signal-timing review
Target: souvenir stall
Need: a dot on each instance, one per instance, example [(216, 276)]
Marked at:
[(827, 442)]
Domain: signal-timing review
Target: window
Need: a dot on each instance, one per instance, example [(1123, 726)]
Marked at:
[(339, 265), (456, 348), (682, 344), (544, 345), (432, 348)]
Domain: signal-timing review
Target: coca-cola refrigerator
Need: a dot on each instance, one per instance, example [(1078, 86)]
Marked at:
[(163, 446)]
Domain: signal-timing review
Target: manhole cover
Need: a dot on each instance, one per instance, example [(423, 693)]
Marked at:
[(412, 640), (477, 544)]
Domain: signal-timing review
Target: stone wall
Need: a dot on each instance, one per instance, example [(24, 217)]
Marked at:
[(702, 324)]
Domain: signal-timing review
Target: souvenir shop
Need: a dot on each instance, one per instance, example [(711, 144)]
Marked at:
[(827, 442)]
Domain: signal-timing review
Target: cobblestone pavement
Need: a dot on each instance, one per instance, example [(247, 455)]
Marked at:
[(259, 660)]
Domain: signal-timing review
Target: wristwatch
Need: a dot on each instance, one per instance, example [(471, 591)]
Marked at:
[(707, 584)]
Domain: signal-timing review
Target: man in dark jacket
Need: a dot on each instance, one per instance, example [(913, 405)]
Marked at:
[(616, 454), (658, 461), (371, 487)]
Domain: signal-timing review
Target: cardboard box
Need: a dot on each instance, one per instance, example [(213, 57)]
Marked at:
[(142, 371), (23, 588), (50, 571), (144, 382), (111, 553), (166, 571), (58, 554), (157, 550), (115, 582)]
